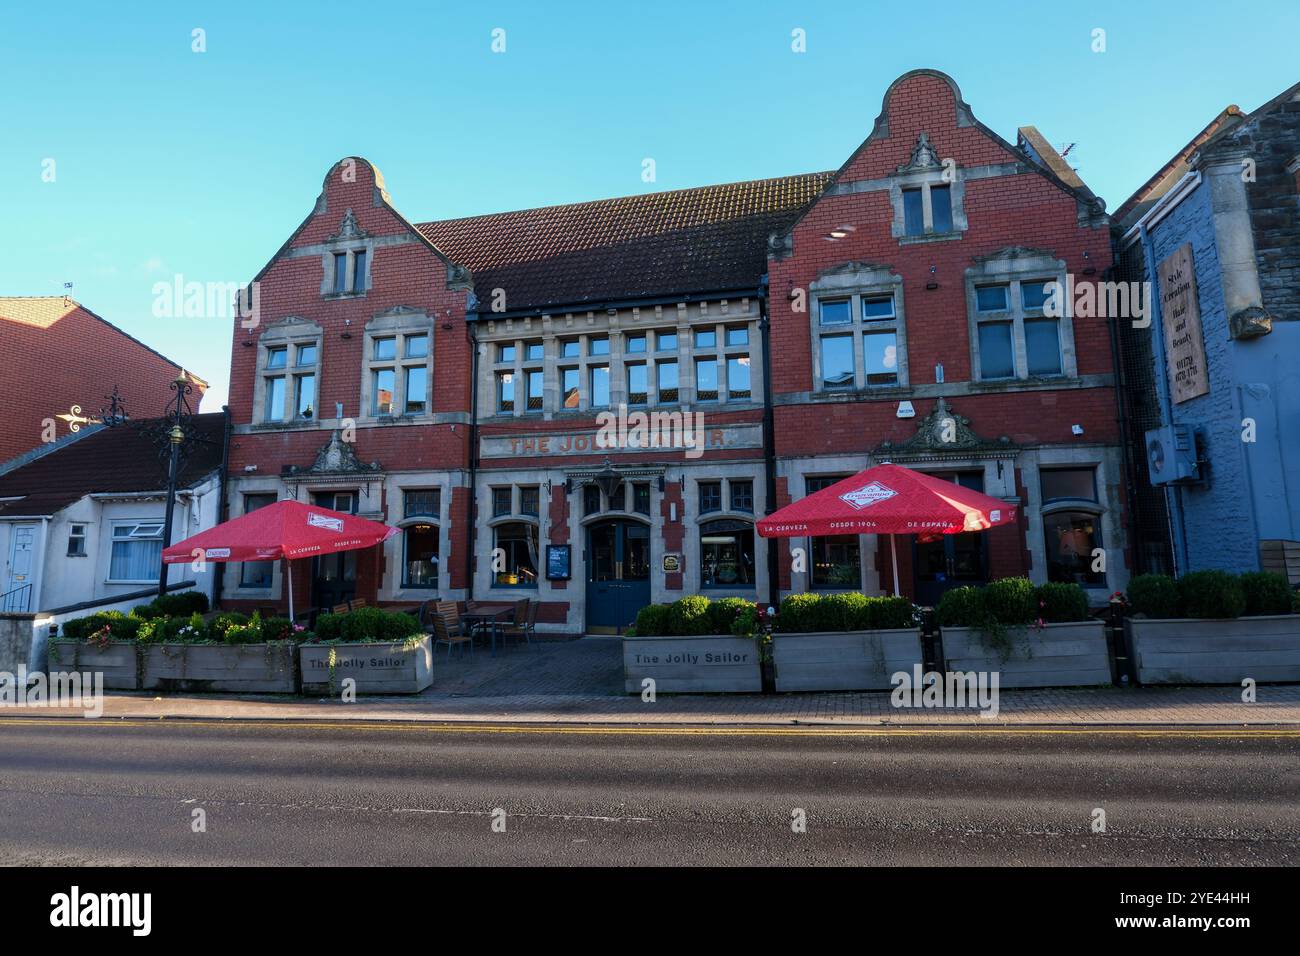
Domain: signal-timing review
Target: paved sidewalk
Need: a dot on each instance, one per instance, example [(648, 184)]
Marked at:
[(1210, 706)]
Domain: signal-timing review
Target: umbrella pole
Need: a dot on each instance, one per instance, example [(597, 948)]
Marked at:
[(288, 566), (893, 559)]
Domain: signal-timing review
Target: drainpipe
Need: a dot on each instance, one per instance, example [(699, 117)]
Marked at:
[(471, 330), (1121, 418), (769, 441), (223, 507), (1173, 499)]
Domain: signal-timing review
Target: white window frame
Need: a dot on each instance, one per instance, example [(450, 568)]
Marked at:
[(1010, 268), (400, 325), (135, 525), (291, 334), (855, 283)]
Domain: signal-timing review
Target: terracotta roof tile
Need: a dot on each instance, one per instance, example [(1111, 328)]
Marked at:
[(707, 239)]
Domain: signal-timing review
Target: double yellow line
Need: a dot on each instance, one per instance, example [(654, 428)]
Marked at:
[(1255, 732)]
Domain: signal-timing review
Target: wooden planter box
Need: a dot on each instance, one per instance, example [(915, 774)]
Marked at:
[(1056, 655), (1200, 651), (231, 668), (116, 661), (692, 665), (845, 660), (377, 668)]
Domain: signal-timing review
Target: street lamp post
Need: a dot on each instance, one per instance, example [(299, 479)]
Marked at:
[(178, 412)]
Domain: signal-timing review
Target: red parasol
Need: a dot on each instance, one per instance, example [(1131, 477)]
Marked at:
[(286, 529), (888, 499)]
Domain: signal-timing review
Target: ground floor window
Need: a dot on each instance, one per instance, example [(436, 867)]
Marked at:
[(514, 558), (137, 552), (835, 561), (421, 546), (257, 574), (726, 554), (1071, 537)]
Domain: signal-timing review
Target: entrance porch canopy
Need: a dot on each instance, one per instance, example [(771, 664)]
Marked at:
[(888, 499)]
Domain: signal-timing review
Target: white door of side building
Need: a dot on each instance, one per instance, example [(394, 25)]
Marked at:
[(16, 581)]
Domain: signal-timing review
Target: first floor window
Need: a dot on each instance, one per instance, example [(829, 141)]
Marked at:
[(505, 391), (666, 382), (77, 541), (837, 361), (572, 396), (137, 551), (536, 383), (726, 554), (1043, 346), (738, 377), (636, 384), (515, 557), (1071, 538), (275, 399), (600, 386), (304, 396), (836, 561), (417, 381), (706, 380), (385, 380), (880, 353), (997, 356), (421, 544)]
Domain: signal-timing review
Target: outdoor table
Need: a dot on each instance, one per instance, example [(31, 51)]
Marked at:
[(489, 616)]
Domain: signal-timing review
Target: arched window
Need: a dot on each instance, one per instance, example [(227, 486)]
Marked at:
[(727, 554), (514, 559)]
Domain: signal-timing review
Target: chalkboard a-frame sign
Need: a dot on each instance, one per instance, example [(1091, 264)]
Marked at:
[(558, 561)]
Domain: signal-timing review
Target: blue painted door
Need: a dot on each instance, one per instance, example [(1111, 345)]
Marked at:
[(618, 573)]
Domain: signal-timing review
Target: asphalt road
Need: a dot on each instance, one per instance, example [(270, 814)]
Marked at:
[(102, 792)]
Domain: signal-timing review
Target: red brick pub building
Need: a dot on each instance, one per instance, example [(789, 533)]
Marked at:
[(450, 378)]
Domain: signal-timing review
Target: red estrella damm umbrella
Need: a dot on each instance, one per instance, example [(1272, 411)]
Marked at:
[(888, 499), (286, 529)]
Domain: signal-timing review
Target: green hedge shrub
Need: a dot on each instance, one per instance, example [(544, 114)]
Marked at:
[(1061, 603), (689, 615), (123, 627), (853, 611), (1267, 592), (889, 613), (181, 604), (1153, 595), (1011, 601), (181, 630), (652, 619), (723, 613), (961, 607), (1212, 594), (279, 629), (370, 625)]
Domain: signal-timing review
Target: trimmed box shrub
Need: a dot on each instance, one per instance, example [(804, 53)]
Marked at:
[(1011, 601), (723, 614), (1215, 594), (689, 616), (961, 607), (119, 627), (1153, 595), (367, 625), (1062, 603), (1266, 592)]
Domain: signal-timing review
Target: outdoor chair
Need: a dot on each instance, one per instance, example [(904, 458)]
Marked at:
[(442, 632), (524, 623), (451, 612)]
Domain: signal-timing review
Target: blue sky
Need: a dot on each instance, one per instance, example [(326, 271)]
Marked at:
[(173, 162)]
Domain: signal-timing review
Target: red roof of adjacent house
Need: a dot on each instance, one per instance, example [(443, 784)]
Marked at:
[(707, 239), (105, 461)]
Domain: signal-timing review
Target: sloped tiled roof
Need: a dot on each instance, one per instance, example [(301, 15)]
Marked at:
[(707, 239), (108, 460), (43, 311)]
